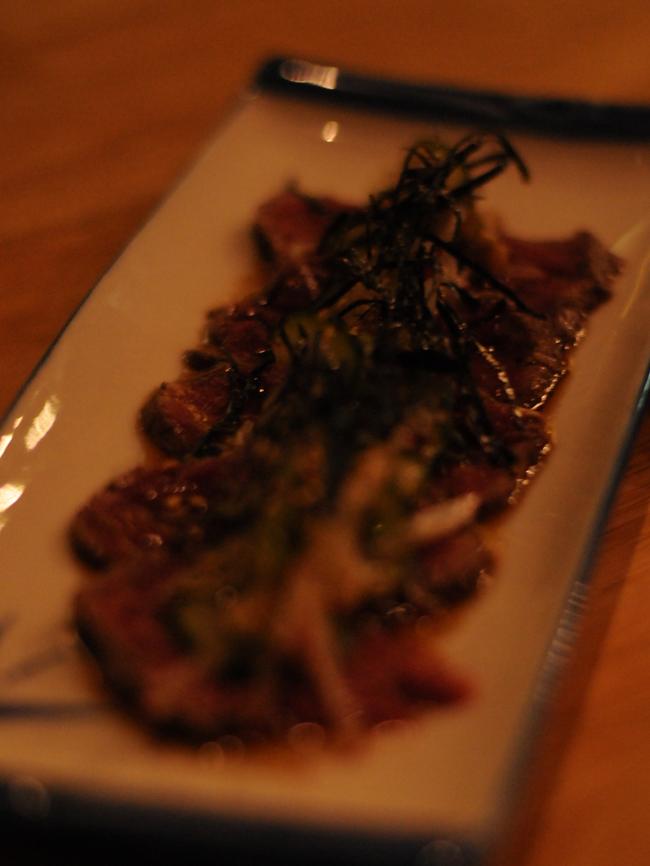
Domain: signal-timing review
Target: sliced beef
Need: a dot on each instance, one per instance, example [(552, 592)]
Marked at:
[(533, 352), (121, 621), (553, 276), (226, 375), (290, 226), (173, 510), (521, 357), (394, 675), (179, 415), (387, 673), (171, 539)]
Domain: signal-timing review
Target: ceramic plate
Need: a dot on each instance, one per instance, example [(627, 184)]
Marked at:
[(446, 782)]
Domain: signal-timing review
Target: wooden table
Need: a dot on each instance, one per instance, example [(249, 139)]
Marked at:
[(104, 101)]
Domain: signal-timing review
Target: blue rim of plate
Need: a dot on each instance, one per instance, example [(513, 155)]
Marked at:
[(546, 114)]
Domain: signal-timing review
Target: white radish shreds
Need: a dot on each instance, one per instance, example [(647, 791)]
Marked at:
[(435, 522)]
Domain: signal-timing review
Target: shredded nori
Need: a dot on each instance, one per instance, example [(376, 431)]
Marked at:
[(389, 324)]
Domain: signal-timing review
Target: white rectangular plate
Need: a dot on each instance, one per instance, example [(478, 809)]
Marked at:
[(65, 752)]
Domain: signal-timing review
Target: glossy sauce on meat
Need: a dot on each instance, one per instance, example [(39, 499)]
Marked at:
[(329, 453)]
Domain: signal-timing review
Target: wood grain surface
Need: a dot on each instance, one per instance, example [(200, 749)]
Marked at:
[(102, 102)]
